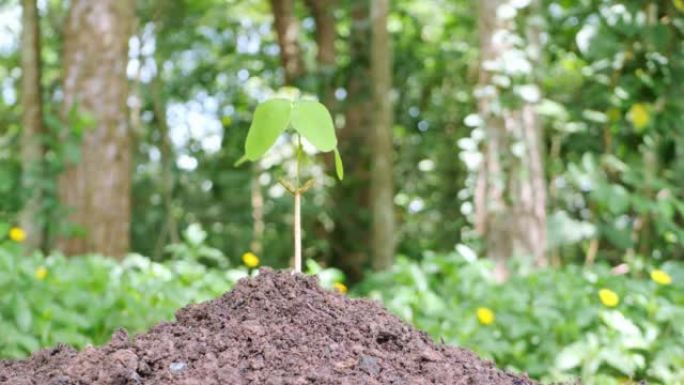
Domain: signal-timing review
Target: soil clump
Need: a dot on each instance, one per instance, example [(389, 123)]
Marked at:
[(274, 329)]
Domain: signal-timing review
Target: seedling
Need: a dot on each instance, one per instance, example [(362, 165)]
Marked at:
[(306, 119)]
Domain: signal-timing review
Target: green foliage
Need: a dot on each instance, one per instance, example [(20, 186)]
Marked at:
[(617, 157), (271, 118), (339, 167), (194, 248), (550, 323), (611, 75), (308, 118), (611, 71), (313, 121), (327, 277), (83, 300)]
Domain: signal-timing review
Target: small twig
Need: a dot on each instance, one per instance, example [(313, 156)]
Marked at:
[(591, 252), (288, 186), (306, 186)]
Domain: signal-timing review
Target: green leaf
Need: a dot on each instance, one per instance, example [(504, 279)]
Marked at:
[(195, 235), (270, 120), (571, 356), (72, 152), (313, 121), (22, 315), (240, 161), (339, 167), (81, 120), (4, 227), (625, 362), (27, 342)]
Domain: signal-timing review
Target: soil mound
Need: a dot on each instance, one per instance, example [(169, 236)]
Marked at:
[(275, 329)]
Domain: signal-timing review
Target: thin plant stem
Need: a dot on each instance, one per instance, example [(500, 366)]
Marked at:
[(298, 154), (298, 211), (298, 231)]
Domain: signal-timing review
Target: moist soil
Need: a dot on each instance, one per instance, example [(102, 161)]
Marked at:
[(275, 329)]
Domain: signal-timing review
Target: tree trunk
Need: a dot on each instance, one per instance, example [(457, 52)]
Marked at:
[(166, 160), (32, 126), (510, 193), (287, 31), (351, 211), (322, 11), (382, 156), (96, 191)]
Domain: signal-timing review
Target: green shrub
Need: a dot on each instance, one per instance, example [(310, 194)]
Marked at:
[(83, 300), (549, 323)]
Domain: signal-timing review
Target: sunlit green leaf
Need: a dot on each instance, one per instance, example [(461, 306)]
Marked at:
[(571, 356), (339, 167), (313, 121), (22, 315), (271, 118)]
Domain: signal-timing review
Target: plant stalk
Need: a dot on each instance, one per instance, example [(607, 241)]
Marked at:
[(298, 231), (298, 210)]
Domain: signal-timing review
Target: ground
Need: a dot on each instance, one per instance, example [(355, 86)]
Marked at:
[(277, 328)]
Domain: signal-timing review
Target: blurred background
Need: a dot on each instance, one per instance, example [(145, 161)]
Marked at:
[(513, 169)]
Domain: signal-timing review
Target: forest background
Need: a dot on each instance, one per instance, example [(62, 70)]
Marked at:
[(513, 169)]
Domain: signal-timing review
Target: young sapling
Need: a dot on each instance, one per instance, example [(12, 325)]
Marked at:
[(306, 119)]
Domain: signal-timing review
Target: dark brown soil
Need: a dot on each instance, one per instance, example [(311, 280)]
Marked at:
[(277, 328)]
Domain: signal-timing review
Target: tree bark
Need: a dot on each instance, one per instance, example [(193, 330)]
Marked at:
[(351, 214), (510, 192), (322, 11), (287, 31), (382, 156), (96, 191), (166, 160), (32, 126)]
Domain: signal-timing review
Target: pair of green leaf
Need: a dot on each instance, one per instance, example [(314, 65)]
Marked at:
[(309, 118)]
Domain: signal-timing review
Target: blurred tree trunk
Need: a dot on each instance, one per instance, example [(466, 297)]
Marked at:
[(382, 156), (510, 193), (351, 211), (326, 34), (166, 159), (32, 126), (287, 31), (643, 224), (532, 193), (96, 191)]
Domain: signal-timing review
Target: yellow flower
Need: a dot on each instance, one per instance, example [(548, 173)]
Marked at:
[(660, 277), (41, 273), (17, 234), (250, 260), (485, 315), (639, 115), (339, 286), (608, 297)]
